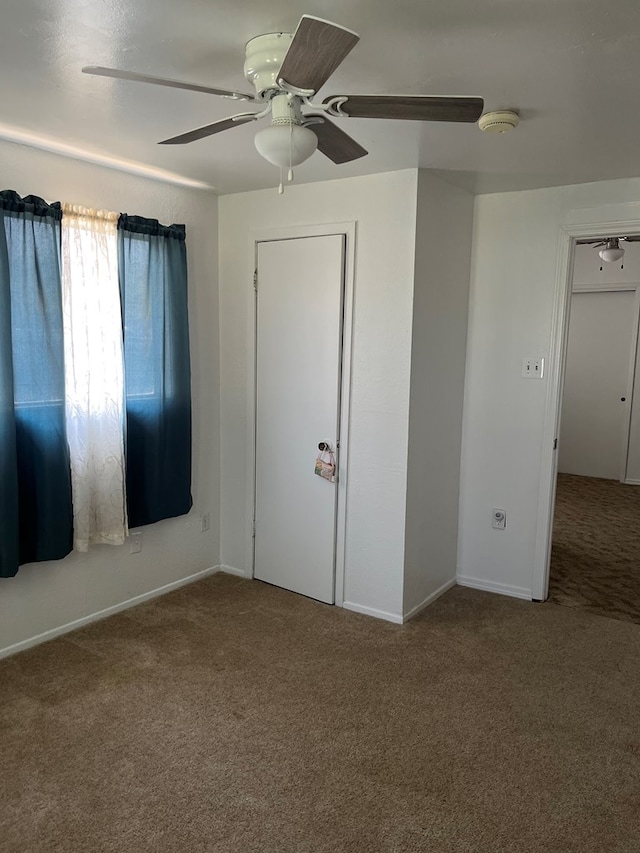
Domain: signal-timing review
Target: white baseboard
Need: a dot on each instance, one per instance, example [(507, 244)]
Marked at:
[(631, 482), (491, 586), (229, 570), (430, 598), (371, 611), (109, 611)]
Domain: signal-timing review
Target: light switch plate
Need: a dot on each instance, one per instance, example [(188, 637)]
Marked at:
[(533, 368)]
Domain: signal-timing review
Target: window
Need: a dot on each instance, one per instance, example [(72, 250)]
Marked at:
[(147, 355)]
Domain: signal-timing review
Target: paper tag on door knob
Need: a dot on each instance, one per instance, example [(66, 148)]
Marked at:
[(326, 467)]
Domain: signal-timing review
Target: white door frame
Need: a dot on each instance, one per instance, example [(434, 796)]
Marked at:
[(568, 236), (348, 230)]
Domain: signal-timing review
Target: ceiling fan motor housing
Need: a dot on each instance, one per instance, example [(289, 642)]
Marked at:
[(264, 56)]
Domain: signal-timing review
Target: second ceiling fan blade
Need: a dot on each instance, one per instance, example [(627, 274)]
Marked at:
[(210, 129), (317, 49), (99, 71), (601, 241), (412, 107), (334, 143)]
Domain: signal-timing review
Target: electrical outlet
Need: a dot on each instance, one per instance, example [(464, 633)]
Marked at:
[(499, 518), (136, 543), (205, 521)]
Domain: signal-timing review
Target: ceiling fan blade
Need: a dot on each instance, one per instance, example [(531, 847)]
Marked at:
[(334, 143), (317, 49), (596, 242), (210, 129), (415, 108), (99, 71)]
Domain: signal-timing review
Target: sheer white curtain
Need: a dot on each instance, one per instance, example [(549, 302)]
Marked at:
[(94, 375)]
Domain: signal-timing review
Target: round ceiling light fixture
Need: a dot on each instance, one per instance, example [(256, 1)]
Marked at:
[(286, 145), (286, 142), (612, 250), (499, 121)]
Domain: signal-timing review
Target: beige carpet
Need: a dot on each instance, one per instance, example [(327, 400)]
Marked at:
[(595, 557), (233, 716)]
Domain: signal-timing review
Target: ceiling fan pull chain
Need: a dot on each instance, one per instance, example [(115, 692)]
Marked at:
[(290, 172), (281, 187)]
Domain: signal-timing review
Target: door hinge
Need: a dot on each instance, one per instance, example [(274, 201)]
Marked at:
[(253, 529), (555, 443), (255, 280)]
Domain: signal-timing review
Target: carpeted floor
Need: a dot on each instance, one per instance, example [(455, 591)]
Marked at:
[(595, 557), (234, 717)]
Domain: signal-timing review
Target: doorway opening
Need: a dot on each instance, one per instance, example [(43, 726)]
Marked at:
[(593, 547)]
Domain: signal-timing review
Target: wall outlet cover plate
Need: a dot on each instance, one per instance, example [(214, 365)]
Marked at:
[(499, 518)]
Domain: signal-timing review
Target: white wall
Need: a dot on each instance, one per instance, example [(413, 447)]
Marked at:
[(440, 308), (45, 596), (513, 278), (384, 208)]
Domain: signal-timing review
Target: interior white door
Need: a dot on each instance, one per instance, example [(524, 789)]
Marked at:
[(300, 287), (592, 437)]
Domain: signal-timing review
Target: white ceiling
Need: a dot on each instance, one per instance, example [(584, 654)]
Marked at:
[(570, 67)]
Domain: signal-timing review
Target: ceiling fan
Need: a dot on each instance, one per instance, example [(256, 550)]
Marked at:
[(287, 70), (610, 248)]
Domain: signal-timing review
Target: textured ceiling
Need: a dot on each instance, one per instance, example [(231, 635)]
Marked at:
[(570, 67)]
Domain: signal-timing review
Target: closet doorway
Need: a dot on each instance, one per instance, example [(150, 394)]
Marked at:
[(595, 552)]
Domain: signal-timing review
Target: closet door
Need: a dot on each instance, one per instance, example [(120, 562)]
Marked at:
[(594, 414), (300, 287)]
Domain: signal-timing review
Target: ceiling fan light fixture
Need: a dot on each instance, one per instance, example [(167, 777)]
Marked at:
[(612, 251), (286, 145)]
